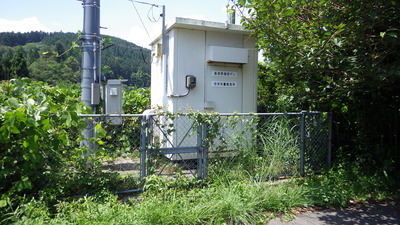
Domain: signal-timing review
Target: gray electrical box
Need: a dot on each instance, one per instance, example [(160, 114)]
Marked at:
[(113, 99), (95, 96)]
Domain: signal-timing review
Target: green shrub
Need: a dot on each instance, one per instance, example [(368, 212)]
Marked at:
[(346, 182), (136, 101), (39, 130)]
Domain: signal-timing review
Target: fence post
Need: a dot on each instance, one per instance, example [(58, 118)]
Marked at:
[(199, 152), (329, 153), (144, 126), (202, 152), (302, 140)]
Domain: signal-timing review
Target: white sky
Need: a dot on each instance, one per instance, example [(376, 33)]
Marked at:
[(119, 16)]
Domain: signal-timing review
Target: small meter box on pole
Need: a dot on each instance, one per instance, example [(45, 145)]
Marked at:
[(113, 99)]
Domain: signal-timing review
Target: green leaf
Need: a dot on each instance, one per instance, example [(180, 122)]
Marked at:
[(14, 130), (20, 115), (25, 144), (4, 134), (288, 11), (23, 184), (66, 117), (46, 124), (13, 102), (3, 203), (100, 132)]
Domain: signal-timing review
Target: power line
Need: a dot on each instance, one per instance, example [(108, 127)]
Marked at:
[(153, 19), (124, 46), (146, 3), (137, 12)]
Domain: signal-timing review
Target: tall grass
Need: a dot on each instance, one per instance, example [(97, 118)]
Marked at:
[(222, 200), (234, 202), (273, 150)]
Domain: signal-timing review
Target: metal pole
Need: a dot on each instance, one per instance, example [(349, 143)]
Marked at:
[(205, 146), (329, 155), (149, 137), (143, 143), (202, 152), (164, 35), (90, 64), (302, 141), (164, 42)]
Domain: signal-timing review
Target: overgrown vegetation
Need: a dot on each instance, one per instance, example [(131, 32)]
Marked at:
[(34, 137), (46, 180), (334, 56), (40, 157), (221, 200)]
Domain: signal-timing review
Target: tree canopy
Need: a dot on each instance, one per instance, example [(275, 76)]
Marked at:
[(333, 55)]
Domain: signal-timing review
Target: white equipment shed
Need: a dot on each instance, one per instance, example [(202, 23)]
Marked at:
[(204, 66)]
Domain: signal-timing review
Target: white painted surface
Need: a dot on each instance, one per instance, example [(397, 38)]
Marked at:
[(221, 56)]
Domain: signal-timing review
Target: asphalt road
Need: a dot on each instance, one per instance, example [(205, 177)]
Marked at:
[(371, 213)]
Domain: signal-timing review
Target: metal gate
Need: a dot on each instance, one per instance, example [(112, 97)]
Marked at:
[(173, 144)]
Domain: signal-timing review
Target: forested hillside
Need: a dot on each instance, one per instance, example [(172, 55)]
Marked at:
[(56, 58)]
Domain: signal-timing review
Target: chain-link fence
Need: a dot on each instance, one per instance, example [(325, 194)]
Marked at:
[(195, 144)]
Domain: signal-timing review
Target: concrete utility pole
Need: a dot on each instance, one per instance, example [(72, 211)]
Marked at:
[(91, 63)]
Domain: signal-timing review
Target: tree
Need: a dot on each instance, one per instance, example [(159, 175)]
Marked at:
[(72, 63), (18, 64), (6, 65), (59, 50), (32, 50), (140, 79), (334, 55), (120, 60), (52, 72), (19, 67)]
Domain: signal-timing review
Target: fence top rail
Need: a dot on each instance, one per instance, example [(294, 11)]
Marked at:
[(217, 114), (270, 114), (111, 115)]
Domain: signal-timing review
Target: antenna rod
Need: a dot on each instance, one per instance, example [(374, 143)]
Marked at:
[(164, 35), (164, 42)]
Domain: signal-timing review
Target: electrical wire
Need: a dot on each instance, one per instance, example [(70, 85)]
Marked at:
[(144, 26), (146, 3), (134, 48), (153, 19)]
